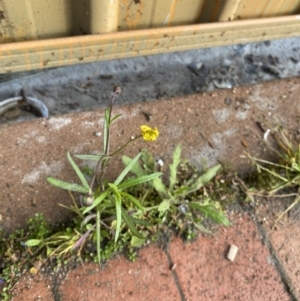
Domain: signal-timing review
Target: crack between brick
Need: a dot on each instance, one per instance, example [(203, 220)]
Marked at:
[(277, 263), (55, 290), (165, 246)]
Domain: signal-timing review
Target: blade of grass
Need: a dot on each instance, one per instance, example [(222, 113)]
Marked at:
[(139, 180), (255, 160), (204, 178), (211, 212), (136, 168), (271, 172), (174, 166), (78, 171), (67, 185), (89, 157), (127, 169), (33, 242), (140, 221), (118, 201), (119, 218), (97, 201), (98, 235), (115, 118), (128, 220), (132, 199), (296, 201)]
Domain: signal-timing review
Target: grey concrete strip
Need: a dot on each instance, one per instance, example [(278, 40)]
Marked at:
[(88, 86), (211, 127)]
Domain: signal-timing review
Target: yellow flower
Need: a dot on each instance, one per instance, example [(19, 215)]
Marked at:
[(148, 133), (33, 271)]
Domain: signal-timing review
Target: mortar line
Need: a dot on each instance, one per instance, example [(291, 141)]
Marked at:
[(55, 289), (179, 288), (285, 279)]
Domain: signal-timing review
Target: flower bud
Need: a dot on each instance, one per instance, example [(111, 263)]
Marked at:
[(87, 200), (117, 90)]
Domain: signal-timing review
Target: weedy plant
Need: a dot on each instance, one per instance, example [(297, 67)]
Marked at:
[(115, 216), (179, 202), (276, 178), (110, 211), (14, 258), (106, 209)]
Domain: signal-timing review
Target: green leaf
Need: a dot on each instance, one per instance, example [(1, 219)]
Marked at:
[(113, 186), (128, 220), (87, 219), (140, 221), (149, 164), (33, 242), (67, 185), (180, 191), (48, 250), (211, 212), (136, 168), (97, 201), (115, 117), (127, 169), (204, 178), (78, 171), (164, 206), (139, 180), (200, 227), (174, 166), (98, 235), (89, 157), (132, 199), (137, 242), (159, 186), (118, 202)]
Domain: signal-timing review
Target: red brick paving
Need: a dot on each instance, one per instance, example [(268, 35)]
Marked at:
[(149, 278), (205, 274), (286, 243), (201, 268), (37, 288)]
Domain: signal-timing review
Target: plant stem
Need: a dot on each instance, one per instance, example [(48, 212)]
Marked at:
[(100, 164), (117, 90), (122, 147)]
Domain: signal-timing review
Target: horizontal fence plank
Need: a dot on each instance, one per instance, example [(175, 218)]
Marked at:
[(41, 54)]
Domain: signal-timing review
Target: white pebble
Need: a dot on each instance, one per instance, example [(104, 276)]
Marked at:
[(232, 252), (160, 162), (266, 134)]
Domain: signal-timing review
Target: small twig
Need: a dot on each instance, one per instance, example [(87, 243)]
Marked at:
[(287, 210), (107, 227), (72, 197), (275, 195), (245, 189)]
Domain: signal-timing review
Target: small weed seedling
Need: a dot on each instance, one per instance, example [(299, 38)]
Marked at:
[(282, 175), (179, 202)]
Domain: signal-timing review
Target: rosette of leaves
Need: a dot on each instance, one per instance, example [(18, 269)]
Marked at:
[(180, 201)]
